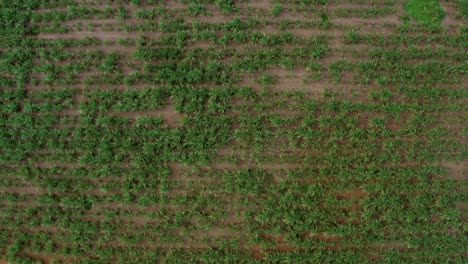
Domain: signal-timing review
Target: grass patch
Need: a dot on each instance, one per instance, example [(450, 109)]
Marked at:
[(462, 8), (427, 12)]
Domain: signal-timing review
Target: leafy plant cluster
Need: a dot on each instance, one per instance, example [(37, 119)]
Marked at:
[(157, 147)]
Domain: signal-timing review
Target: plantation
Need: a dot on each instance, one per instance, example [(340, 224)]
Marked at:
[(233, 131)]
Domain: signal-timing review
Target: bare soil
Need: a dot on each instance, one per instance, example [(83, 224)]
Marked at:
[(450, 21), (458, 171), (260, 4)]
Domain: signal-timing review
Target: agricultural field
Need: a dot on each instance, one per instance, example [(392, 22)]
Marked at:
[(233, 131)]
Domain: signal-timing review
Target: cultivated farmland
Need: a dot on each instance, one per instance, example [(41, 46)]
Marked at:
[(233, 131)]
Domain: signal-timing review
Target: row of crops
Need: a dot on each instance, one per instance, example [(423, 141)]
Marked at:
[(221, 131)]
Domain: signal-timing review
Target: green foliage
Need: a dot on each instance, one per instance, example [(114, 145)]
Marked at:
[(428, 12), (462, 8), (276, 10), (197, 9), (157, 132), (267, 79), (110, 63), (226, 6), (121, 13)]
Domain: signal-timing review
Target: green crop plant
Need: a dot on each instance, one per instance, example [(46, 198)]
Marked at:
[(197, 9), (276, 10), (267, 79), (226, 6), (232, 132), (427, 12)]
